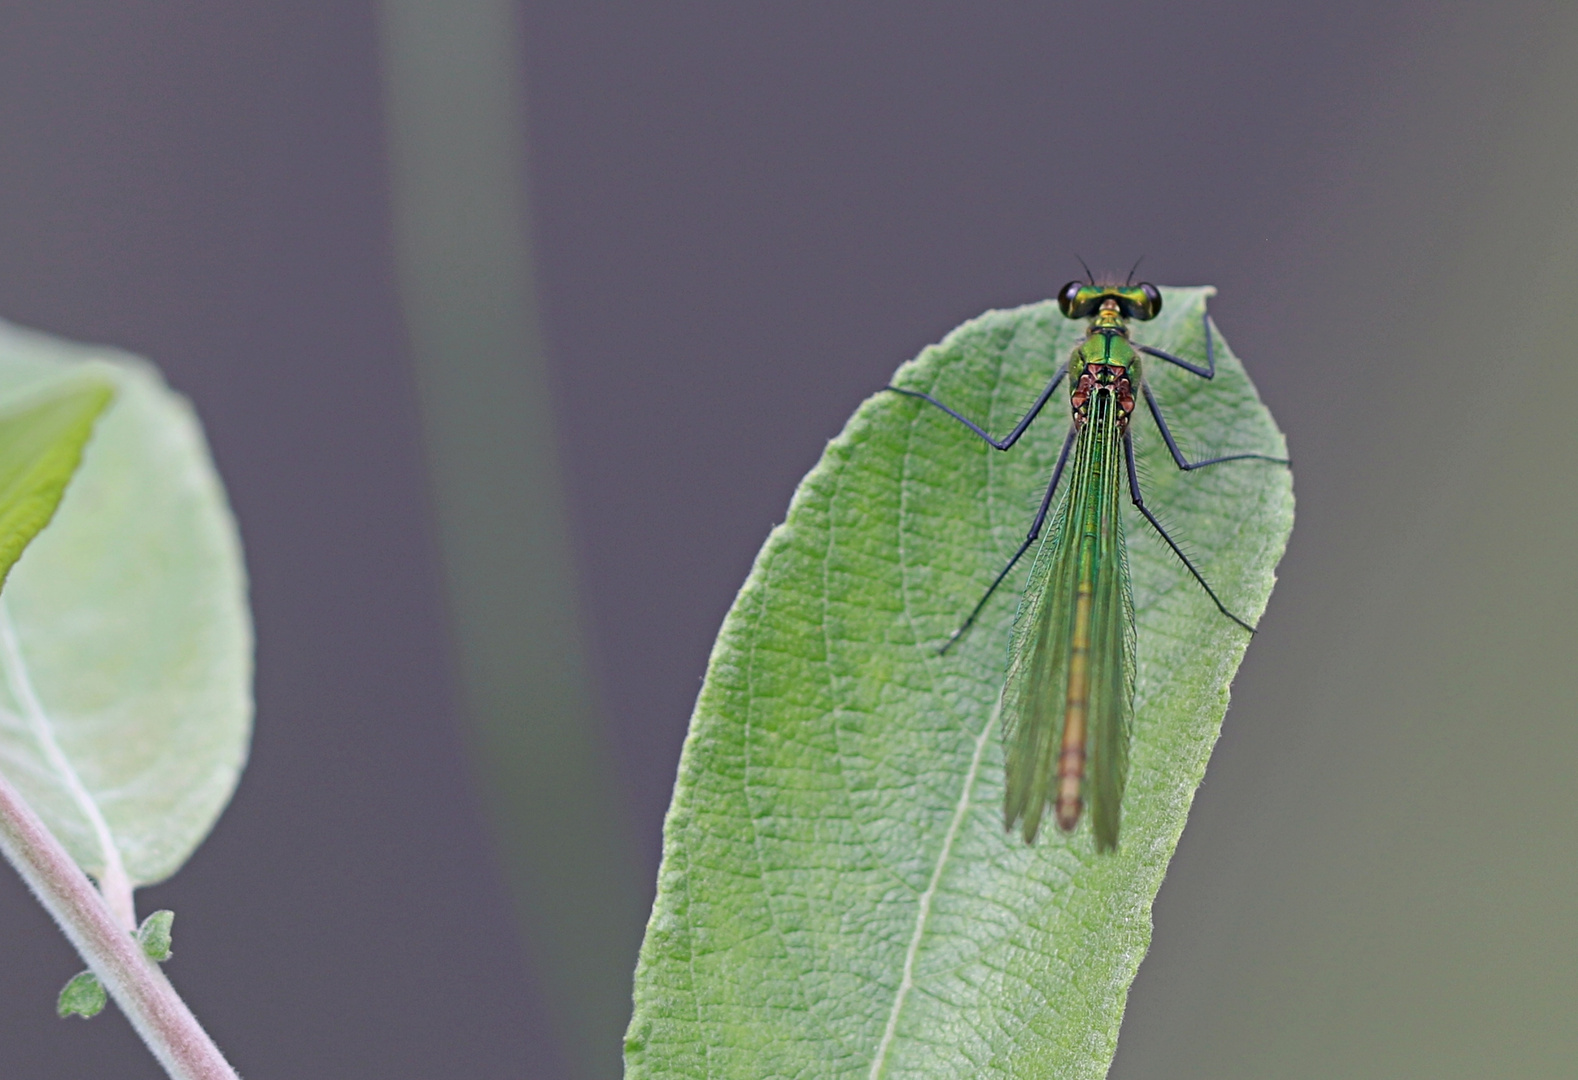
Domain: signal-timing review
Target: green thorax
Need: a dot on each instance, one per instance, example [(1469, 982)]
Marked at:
[(1106, 347), (1106, 343), (1105, 363)]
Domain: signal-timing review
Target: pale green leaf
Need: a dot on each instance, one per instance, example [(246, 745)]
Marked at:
[(125, 638), (838, 897)]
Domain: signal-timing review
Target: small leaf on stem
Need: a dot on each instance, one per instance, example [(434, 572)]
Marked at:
[(154, 935), (83, 996)]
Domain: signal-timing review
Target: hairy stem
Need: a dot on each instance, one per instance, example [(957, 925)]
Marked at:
[(133, 980)]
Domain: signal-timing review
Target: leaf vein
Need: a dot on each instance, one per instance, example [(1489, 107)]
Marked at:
[(113, 881), (907, 980)]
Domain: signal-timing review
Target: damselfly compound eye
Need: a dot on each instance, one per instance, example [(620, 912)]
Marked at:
[(1067, 296), (1154, 296)]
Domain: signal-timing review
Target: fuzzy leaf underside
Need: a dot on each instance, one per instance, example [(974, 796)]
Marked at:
[(125, 636), (837, 896)]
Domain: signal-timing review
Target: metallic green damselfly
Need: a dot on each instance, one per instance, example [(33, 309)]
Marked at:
[(1068, 697)]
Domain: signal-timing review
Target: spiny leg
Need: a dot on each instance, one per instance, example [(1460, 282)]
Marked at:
[(1035, 531), (1019, 429), (1139, 502), (1172, 447), (1207, 372)]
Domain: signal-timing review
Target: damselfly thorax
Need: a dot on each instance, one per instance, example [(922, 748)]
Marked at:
[(1103, 378)]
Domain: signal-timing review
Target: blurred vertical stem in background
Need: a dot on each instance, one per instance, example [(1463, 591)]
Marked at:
[(454, 99)]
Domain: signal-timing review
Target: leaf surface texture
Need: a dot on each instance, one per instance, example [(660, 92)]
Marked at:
[(838, 897)]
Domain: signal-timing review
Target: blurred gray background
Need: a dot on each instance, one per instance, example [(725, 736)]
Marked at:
[(513, 328)]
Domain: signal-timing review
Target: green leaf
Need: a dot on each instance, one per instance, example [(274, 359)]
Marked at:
[(41, 445), (154, 935), (838, 896), (125, 639), (83, 996)]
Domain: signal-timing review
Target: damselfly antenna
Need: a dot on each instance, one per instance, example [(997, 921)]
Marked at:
[(1132, 270), (1088, 275)]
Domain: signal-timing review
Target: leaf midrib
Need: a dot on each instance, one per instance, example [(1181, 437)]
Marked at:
[(967, 788), (923, 914), (113, 878)]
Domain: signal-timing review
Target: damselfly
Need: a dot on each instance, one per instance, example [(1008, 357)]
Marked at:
[(1068, 697)]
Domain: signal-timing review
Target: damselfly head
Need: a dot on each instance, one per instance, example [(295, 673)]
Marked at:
[(1078, 300)]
